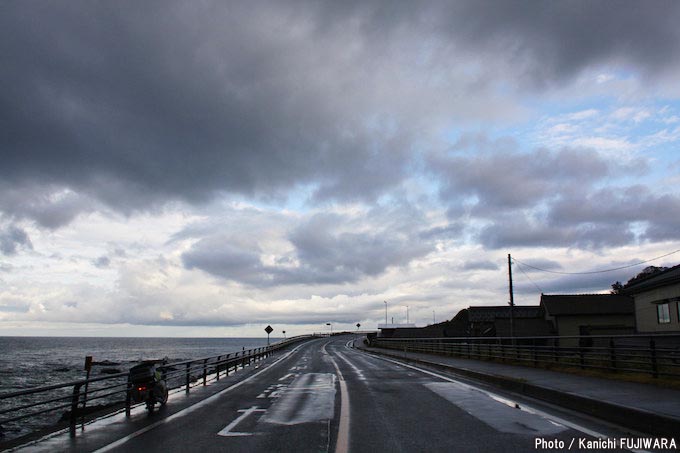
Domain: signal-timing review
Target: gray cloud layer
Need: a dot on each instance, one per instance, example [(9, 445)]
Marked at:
[(12, 238), (322, 255), (136, 103)]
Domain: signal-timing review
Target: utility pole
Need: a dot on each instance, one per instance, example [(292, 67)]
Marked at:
[(406, 314), (512, 299), (385, 311)]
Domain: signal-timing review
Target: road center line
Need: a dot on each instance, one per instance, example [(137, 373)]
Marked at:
[(342, 443)]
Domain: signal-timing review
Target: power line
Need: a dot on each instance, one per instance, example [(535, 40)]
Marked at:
[(527, 276), (596, 272)]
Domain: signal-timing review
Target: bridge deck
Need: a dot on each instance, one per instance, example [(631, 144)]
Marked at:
[(326, 396)]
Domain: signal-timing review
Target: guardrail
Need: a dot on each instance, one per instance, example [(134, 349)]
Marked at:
[(658, 355), (112, 392)]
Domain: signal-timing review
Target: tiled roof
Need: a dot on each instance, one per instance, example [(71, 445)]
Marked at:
[(490, 314), (587, 304), (667, 277)]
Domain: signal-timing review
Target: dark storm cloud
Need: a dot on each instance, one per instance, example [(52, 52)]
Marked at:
[(540, 263), (551, 41), (171, 101), (502, 180), (575, 284), (137, 103), (12, 238), (102, 262), (50, 207), (546, 198), (657, 216), (601, 218), (322, 255), (521, 231)]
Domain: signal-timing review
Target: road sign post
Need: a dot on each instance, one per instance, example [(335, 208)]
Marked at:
[(269, 330)]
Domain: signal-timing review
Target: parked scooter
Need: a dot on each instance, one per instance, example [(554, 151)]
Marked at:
[(147, 384)]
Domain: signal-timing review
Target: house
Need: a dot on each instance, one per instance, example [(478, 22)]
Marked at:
[(494, 321), (657, 301), (589, 314)]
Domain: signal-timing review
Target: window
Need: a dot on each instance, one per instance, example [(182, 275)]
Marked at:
[(663, 313)]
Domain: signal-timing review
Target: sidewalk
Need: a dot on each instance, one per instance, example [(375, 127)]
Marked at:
[(641, 407)]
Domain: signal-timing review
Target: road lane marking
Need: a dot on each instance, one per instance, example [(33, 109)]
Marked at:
[(286, 376), (342, 443), (191, 408), (360, 374), (503, 400), (503, 418), (310, 398), (227, 430)]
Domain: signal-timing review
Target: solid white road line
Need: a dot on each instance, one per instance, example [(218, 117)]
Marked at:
[(342, 443), (191, 408)]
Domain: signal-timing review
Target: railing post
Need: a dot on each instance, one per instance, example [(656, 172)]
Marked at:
[(74, 410), (581, 355), (243, 358), (205, 372), (187, 378), (655, 367), (612, 354), (533, 346), (128, 399), (217, 367)]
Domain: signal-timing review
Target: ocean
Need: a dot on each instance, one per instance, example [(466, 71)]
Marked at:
[(28, 362)]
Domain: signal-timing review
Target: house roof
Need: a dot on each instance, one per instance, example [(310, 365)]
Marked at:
[(490, 314), (587, 304), (667, 277)]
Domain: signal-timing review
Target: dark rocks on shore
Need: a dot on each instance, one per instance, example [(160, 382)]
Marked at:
[(110, 371)]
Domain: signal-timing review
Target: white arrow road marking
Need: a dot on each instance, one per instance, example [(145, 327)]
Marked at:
[(310, 398), (227, 430), (193, 407)]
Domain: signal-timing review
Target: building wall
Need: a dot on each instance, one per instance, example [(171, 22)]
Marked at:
[(571, 325), (645, 309)]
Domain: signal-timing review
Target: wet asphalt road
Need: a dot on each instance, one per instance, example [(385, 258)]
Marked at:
[(295, 403)]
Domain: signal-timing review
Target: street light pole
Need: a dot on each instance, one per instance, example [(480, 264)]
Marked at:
[(406, 313), (385, 311)]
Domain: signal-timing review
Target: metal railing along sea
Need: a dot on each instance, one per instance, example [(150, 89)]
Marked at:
[(73, 401)]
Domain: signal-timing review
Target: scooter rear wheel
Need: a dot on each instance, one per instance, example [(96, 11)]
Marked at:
[(164, 396)]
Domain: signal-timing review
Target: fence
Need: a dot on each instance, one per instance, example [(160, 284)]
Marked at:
[(658, 355), (112, 392)]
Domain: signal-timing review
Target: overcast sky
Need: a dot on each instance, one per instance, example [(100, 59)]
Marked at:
[(207, 168)]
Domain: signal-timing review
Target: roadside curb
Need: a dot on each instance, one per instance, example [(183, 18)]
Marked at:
[(632, 418)]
